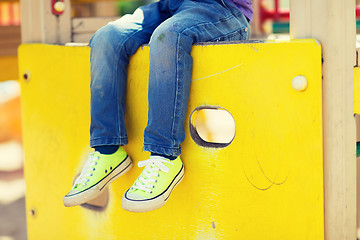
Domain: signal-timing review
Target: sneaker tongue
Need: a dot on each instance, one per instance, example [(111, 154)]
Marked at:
[(95, 155)]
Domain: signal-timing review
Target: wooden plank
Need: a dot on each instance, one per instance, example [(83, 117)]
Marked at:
[(8, 52), (40, 25), (6, 30), (84, 28), (10, 39), (82, 37), (255, 24), (332, 22), (7, 44), (105, 9), (89, 25)]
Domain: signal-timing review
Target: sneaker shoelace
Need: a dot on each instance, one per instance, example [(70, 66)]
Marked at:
[(87, 171), (153, 166)]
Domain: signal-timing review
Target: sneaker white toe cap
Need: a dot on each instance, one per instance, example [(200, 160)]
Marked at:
[(134, 196)]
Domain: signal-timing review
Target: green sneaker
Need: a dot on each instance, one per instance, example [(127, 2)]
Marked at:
[(152, 188), (98, 172)]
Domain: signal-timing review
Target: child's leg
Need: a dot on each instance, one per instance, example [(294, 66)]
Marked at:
[(169, 86), (170, 75), (111, 48)]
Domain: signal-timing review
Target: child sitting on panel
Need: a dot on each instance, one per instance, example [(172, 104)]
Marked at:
[(170, 27)]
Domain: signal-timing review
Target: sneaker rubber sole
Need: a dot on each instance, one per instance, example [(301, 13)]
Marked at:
[(97, 189)]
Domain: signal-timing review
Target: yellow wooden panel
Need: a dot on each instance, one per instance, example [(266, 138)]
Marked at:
[(267, 184), (8, 68)]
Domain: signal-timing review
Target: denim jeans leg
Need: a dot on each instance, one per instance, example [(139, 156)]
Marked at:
[(171, 66), (111, 48)]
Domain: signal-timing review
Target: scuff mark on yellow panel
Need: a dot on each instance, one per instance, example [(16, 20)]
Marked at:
[(267, 184)]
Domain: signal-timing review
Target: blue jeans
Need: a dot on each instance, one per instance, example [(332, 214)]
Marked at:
[(170, 27)]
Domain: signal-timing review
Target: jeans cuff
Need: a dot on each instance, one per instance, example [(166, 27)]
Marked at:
[(108, 141), (162, 150)]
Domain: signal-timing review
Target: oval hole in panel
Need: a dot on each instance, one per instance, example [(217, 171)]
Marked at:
[(212, 126)]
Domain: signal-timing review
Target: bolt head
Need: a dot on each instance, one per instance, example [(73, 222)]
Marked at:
[(299, 83), (26, 76)]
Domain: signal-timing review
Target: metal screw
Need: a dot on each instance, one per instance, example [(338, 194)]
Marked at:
[(26, 76), (33, 212)]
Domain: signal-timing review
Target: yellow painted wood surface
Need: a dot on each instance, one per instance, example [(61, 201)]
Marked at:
[(267, 184), (8, 68)]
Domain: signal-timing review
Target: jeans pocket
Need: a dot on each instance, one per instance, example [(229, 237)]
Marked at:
[(238, 35)]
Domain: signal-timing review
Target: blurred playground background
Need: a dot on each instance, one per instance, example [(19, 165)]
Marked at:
[(272, 21)]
